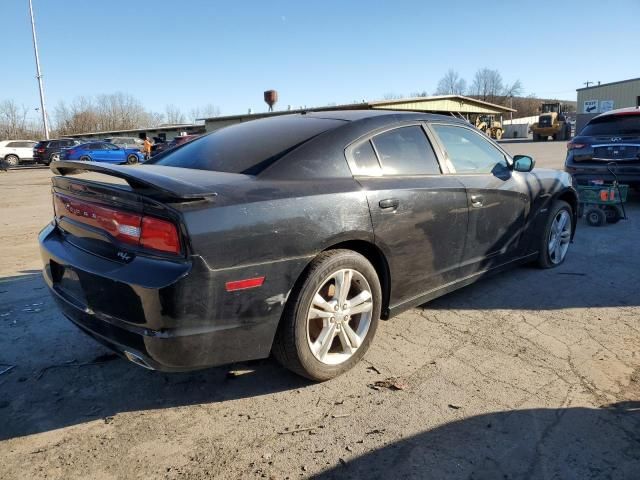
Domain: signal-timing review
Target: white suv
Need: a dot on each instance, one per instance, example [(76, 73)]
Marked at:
[(12, 152)]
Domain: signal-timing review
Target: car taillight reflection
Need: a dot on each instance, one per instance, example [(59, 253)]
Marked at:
[(130, 228)]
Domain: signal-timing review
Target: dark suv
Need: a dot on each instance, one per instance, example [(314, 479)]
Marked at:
[(611, 137), (48, 151)]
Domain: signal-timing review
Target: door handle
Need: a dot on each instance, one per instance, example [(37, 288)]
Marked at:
[(476, 201), (389, 203)]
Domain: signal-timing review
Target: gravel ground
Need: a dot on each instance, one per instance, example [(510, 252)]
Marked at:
[(529, 374)]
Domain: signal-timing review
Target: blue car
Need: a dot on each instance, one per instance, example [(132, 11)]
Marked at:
[(102, 152)]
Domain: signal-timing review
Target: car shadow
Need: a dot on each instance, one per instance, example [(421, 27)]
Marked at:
[(565, 443), (57, 376)]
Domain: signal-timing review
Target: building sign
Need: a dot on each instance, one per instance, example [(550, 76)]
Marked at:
[(606, 105), (590, 106)]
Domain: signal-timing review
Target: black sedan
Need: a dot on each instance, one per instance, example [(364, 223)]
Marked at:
[(293, 235)]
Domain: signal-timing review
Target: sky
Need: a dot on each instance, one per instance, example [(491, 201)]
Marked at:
[(191, 53)]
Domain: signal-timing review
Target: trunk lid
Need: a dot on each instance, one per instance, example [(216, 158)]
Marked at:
[(118, 212)]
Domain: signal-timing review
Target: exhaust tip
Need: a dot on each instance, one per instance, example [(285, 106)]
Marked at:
[(138, 360)]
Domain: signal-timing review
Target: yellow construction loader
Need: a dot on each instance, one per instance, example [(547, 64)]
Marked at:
[(551, 123), (489, 126)]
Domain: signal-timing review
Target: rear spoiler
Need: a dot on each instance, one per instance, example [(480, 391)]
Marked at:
[(139, 177)]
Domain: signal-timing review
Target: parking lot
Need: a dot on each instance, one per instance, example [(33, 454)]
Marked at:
[(529, 374)]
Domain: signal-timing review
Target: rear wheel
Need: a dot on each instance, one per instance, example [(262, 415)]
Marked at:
[(85, 158), (536, 137), (54, 157), (557, 235), (12, 160), (331, 316), (132, 158)]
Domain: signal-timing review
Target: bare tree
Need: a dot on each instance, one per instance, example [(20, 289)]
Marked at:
[(488, 85), (107, 112), (422, 93), (391, 96), (451, 84), (208, 111), (13, 121), (173, 115)]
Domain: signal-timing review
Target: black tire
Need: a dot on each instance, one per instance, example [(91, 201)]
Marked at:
[(612, 213), (544, 257), (85, 158), (595, 217), (536, 137), (132, 159), (54, 157), (291, 347), (11, 161)]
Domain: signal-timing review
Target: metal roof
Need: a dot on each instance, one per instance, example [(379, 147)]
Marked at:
[(131, 130), (608, 84), (439, 103)]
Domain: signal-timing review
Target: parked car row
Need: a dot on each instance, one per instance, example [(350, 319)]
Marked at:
[(127, 149)]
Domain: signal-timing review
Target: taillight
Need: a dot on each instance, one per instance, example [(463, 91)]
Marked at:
[(130, 228), (70, 152), (40, 150), (574, 146), (159, 235)]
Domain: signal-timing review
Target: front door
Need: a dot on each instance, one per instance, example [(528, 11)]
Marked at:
[(497, 196), (419, 216)]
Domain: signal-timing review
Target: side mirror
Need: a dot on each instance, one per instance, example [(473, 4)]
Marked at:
[(523, 163)]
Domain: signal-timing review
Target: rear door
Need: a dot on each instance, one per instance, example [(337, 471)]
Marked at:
[(419, 215), (95, 151), (497, 197), (113, 153)]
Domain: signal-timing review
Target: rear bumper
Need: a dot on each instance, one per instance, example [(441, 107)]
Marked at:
[(583, 174), (168, 316)]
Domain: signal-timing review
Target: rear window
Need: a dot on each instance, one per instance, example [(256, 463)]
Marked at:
[(613, 125), (246, 147)]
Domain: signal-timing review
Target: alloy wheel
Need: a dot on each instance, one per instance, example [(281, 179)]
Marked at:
[(559, 237), (339, 316)]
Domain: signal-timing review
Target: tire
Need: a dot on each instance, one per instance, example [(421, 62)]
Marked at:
[(54, 157), (595, 217), (297, 332), (549, 256), (85, 158), (498, 134), (12, 161), (132, 159), (612, 213), (536, 137)]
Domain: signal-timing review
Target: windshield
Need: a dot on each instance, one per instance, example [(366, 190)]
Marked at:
[(248, 147), (613, 125)]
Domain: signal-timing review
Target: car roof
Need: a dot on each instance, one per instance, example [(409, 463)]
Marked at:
[(620, 111), (355, 115)]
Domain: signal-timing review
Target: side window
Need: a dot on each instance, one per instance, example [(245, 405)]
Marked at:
[(468, 151), (13, 144), (94, 146), (363, 160), (406, 151)]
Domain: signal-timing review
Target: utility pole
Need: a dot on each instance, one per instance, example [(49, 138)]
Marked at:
[(45, 121)]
